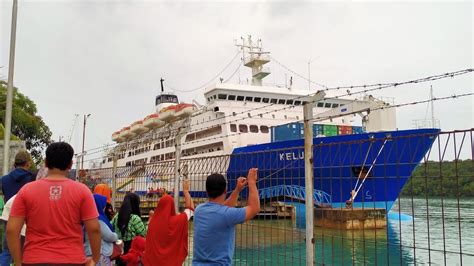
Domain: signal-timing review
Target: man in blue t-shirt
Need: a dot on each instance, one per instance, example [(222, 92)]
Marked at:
[(214, 221)]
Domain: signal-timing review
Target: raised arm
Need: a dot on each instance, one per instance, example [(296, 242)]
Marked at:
[(106, 233), (188, 201), (253, 205), (93, 232), (232, 200)]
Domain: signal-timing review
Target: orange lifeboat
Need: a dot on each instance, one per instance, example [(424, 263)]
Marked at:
[(184, 109), (152, 121), (138, 127), (126, 133), (168, 113), (116, 136)]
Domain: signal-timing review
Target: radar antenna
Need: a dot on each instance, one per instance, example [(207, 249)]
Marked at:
[(255, 60)]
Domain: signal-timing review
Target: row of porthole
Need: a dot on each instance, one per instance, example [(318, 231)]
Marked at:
[(242, 128), (268, 100), (241, 98)]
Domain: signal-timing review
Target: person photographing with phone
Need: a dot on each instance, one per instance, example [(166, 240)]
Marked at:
[(214, 221)]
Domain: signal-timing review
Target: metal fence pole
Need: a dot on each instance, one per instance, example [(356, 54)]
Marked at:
[(182, 130), (176, 171), (114, 179), (9, 103), (309, 172), (78, 164)]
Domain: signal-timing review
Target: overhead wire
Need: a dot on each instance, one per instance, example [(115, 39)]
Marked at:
[(349, 113), (322, 118), (395, 84), (383, 86), (335, 97), (390, 84), (297, 74), (214, 77), (233, 74)]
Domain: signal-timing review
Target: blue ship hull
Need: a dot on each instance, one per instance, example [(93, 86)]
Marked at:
[(389, 157)]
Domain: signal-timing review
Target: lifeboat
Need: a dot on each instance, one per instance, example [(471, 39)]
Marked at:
[(185, 109), (116, 136), (152, 121), (168, 113), (138, 127), (126, 133)]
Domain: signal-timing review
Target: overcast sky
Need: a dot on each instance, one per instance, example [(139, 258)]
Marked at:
[(106, 57)]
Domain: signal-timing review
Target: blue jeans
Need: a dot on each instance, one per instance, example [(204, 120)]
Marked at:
[(5, 257)]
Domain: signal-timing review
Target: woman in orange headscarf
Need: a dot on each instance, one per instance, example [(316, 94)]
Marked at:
[(167, 238), (104, 190)]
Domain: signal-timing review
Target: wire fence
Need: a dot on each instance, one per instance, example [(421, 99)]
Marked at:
[(403, 197)]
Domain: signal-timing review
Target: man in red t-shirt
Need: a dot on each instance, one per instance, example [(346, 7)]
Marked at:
[(54, 208)]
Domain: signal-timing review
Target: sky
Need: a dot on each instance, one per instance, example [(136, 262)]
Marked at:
[(105, 58)]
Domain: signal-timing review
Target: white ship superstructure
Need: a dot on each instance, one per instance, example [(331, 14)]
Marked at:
[(234, 115)]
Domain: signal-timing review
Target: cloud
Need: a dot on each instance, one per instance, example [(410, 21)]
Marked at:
[(106, 58)]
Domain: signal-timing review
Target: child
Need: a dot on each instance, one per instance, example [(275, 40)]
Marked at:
[(135, 254)]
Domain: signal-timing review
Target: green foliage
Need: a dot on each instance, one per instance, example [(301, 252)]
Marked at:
[(26, 123), (448, 179), (2, 132)]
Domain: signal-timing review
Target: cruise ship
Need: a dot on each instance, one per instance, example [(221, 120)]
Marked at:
[(245, 119)]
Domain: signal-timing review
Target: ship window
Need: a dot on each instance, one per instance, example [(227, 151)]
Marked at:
[(297, 102), (289, 101), (273, 101), (286, 117), (248, 99), (265, 100), (327, 105), (257, 99), (264, 129), (233, 128), (248, 114), (231, 98), (253, 129), (240, 98), (166, 98), (243, 128), (233, 113), (320, 104), (297, 118), (281, 101), (222, 96), (335, 105)]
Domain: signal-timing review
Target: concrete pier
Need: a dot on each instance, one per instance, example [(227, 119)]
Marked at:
[(350, 219), (278, 210)]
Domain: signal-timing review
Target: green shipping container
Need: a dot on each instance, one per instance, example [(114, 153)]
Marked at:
[(330, 130)]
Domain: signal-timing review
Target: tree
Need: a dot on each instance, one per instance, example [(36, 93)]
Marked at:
[(26, 123)]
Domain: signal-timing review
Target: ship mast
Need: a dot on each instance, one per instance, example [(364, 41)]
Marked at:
[(162, 88), (255, 60)]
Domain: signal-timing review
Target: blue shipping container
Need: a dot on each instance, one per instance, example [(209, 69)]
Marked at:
[(357, 130), (290, 131), (318, 130)]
